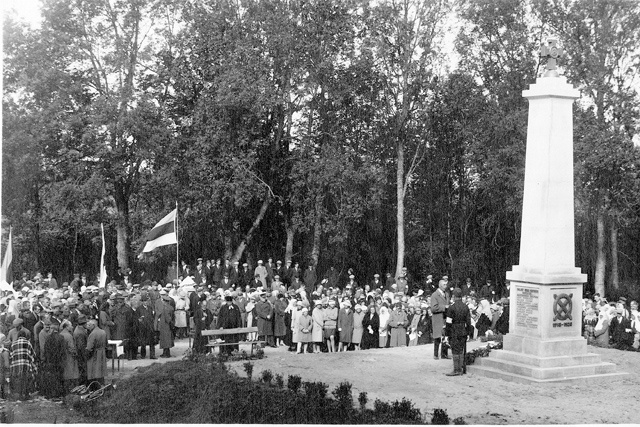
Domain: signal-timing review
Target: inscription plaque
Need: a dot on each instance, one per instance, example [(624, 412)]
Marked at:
[(527, 307)]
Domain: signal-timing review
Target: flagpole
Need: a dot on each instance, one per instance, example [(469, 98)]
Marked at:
[(177, 243)]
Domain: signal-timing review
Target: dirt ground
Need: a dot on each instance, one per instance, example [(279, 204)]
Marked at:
[(391, 374)]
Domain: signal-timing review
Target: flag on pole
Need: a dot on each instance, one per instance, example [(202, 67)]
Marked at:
[(6, 275), (103, 269), (164, 233)]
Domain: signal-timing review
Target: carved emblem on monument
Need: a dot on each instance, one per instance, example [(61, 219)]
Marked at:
[(551, 52), (562, 306)]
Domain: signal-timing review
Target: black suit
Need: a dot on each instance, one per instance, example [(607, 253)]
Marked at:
[(229, 318)]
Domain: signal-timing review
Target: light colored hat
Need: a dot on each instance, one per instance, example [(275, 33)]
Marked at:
[(305, 309)]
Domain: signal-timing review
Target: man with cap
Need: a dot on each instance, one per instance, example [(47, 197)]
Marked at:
[(229, 318), (439, 305), (234, 274), (279, 270), (403, 281), (310, 278), (245, 277), (376, 283), (146, 334), (80, 336), (199, 274), (468, 287), (621, 330), (458, 322), (217, 271), (489, 293)]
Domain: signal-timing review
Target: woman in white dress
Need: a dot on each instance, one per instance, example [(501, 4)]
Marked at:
[(384, 323), (182, 305)]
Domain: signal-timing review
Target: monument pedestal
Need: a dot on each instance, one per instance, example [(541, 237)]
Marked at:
[(545, 343)]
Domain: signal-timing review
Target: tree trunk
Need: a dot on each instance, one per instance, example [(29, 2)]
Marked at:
[(317, 233), (256, 223), (122, 225), (615, 281), (288, 251), (400, 208), (600, 260), (227, 245)]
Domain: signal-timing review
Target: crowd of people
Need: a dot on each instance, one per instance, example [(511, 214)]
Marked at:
[(54, 337), (611, 324)]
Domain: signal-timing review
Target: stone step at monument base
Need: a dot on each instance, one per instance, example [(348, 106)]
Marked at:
[(523, 368)]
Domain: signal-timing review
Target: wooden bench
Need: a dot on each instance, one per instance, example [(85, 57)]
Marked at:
[(213, 334)]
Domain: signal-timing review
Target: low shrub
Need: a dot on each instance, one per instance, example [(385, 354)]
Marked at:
[(440, 417), (206, 392)]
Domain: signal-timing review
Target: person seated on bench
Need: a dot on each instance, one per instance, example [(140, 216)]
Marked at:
[(229, 318)]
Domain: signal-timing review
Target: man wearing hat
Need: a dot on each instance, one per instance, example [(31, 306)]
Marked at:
[(80, 336), (229, 318), (376, 283), (398, 323), (146, 334), (199, 274), (164, 321), (264, 312), (96, 352), (261, 273), (124, 318), (458, 322), (245, 277)]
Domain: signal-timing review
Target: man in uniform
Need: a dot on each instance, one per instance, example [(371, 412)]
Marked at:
[(458, 322)]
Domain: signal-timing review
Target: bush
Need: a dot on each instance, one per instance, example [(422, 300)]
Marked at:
[(248, 368), (440, 417), (294, 382), (279, 381), (266, 376), (459, 421), (206, 392)]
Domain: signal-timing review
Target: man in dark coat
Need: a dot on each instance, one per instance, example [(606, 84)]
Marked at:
[(146, 335), (124, 317), (164, 321), (229, 318), (53, 364), (310, 278), (264, 312), (467, 288), (621, 331), (458, 322), (80, 338), (489, 293)]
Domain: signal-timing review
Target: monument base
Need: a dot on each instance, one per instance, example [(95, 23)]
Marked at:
[(543, 361), (545, 342)]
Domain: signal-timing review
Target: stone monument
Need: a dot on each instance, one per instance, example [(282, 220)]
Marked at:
[(544, 343)]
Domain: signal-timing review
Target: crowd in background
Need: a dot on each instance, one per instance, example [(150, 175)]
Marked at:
[(55, 336), (611, 324)]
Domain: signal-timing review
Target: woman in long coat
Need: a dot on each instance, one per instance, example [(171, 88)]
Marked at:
[(304, 325), (264, 312), (345, 326), (318, 323), (71, 370), (370, 327), (279, 328), (358, 316), (601, 330), (424, 327), (398, 323)]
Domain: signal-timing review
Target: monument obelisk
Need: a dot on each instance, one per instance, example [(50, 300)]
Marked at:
[(544, 342)]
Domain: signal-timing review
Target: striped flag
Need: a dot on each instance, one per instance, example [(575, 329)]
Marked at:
[(6, 275), (164, 233), (103, 269)]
